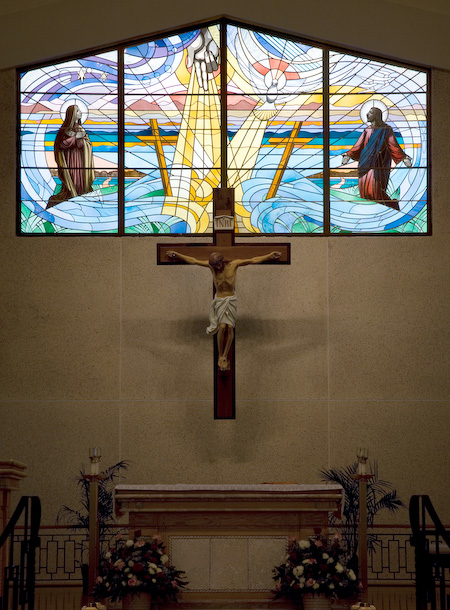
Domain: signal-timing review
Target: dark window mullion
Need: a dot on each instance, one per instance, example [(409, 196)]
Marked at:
[(326, 142), (121, 142)]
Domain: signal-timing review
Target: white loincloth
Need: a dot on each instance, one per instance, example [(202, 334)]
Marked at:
[(223, 310)]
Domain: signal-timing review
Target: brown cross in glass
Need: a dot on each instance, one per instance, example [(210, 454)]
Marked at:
[(224, 244), (292, 141)]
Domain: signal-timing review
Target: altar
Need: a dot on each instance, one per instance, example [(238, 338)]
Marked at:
[(227, 538)]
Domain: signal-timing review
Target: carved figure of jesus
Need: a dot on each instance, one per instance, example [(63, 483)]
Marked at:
[(222, 312)]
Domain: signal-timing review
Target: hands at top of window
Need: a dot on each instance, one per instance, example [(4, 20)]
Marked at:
[(203, 53)]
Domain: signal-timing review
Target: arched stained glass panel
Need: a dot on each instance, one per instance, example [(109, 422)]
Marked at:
[(172, 132), (275, 129), (380, 193), (79, 194)]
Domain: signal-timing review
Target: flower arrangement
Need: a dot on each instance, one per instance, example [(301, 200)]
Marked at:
[(316, 565), (138, 566)]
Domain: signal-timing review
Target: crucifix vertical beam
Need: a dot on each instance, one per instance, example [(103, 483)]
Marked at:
[(224, 243), (225, 383)]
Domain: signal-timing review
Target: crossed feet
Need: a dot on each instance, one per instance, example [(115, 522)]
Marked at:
[(223, 363)]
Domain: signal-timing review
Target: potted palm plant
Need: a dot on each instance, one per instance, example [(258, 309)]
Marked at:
[(381, 495), (78, 519)]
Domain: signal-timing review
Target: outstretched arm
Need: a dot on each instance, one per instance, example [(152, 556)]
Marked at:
[(240, 262), (187, 259)]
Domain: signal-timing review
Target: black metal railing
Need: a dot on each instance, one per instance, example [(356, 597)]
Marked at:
[(17, 582), (62, 553), (431, 542)]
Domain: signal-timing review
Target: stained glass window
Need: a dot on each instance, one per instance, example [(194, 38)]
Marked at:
[(312, 139)]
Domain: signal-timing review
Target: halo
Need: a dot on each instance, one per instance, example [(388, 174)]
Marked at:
[(75, 102), (373, 104)]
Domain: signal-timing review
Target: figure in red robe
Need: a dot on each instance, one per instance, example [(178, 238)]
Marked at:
[(375, 150), (73, 156)]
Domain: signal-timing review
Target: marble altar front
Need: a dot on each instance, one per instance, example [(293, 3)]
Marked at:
[(227, 538)]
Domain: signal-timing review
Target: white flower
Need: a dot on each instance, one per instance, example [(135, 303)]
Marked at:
[(351, 575), (131, 563), (153, 579), (164, 559), (298, 571), (339, 567), (330, 560), (124, 584), (127, 570), (331, 585), (304, 544), (305, 561), (106, 584), (316, 585), (108, 555), (158, 570), (325, 555), (129, 543)]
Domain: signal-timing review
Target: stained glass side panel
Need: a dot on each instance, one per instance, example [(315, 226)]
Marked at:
[(275, 132), (68, 147), (374, 190), (172, 133)]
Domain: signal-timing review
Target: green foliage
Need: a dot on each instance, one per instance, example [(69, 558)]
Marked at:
[(79, 519), (381, 495)]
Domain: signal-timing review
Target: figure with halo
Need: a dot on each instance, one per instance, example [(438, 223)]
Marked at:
[(376, 149), (73, 156)]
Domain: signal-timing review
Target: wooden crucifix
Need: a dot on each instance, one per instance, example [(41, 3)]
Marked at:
[(224, 246)]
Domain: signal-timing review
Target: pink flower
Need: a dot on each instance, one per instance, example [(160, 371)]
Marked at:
[(132, 582), (318, 542), (337, 536), (139, 543), (310, 582)]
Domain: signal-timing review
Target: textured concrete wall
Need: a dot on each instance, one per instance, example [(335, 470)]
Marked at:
[(348, 346)]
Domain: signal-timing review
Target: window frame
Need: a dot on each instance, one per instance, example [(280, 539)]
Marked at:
[(327, 49)]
